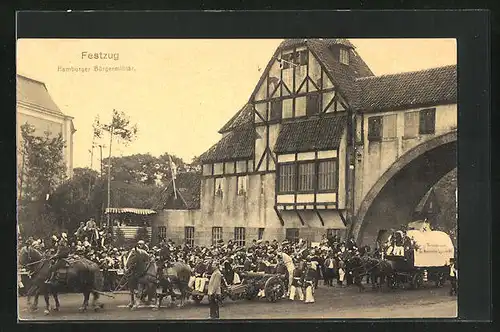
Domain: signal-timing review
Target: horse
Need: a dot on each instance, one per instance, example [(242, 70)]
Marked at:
[(38, 267), (377, 269), (171, 276), (141, 275), (80, 275)]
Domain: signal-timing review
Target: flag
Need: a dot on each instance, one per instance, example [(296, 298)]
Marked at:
[(173, 168)]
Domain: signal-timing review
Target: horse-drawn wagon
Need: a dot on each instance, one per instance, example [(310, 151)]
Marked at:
[(251, 285), (425, 259)]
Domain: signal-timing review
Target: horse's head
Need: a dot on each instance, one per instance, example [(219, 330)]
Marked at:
[(29, 255)]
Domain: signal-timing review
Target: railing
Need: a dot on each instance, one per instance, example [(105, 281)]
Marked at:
[(130, 232)]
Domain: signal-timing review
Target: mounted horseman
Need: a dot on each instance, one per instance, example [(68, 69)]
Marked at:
[(76, 275)]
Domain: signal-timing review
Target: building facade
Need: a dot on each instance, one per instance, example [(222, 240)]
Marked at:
[(320, 128), (35, 106)]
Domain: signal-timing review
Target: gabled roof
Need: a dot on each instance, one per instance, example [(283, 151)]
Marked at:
[(34, 93), (237, 144), (343, 76), (318, 133), (188, 186), (326, 41), (430, 86), (243, 117)]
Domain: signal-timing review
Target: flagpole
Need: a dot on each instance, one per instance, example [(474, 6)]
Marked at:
[(173, 171)]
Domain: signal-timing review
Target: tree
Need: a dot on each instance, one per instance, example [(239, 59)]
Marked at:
[(71, 203), (42, 171), (120, 128)]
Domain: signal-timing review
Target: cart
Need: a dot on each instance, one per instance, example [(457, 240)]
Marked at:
[(427, 260)]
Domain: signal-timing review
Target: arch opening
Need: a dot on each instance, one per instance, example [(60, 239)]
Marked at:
[(392, 200)]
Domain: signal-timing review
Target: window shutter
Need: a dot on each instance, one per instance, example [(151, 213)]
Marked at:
[(389, 126), (428, 121), (374, 128)]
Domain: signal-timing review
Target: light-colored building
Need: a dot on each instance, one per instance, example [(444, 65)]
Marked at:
[(35, 106), (311, 150)]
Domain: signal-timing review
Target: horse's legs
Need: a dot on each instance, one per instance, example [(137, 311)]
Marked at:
[(47, 304), (132, 299), (95, 301), (56, 300), (86, 296), (34, 305)]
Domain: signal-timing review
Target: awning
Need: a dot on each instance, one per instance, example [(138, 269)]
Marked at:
[(129, 210), (329, 219)]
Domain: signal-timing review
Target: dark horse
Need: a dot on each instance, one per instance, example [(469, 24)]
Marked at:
[(379, 270), (171, 277), (80, 275), (141, 275)]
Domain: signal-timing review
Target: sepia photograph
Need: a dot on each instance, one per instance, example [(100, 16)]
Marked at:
[(206, 179)]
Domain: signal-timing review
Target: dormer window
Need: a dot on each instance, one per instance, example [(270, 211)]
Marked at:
[(294, 59), (344, 56)]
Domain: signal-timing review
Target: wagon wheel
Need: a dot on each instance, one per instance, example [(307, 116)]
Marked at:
[(197, 298), (251, 292), (274, 289), (392, 282)]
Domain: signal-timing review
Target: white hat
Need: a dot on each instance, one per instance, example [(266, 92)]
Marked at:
[(140, 242), (64, 235), (54, 237)]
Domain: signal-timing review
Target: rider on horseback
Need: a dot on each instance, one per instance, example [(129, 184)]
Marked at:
[(57, 259)]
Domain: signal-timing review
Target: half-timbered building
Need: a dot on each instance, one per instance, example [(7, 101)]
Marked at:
[(284, 166)]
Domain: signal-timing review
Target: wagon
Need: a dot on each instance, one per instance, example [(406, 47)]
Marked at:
[(426, 262), (249, 287)]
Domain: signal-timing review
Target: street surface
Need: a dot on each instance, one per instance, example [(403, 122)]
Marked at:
[(331, 302)]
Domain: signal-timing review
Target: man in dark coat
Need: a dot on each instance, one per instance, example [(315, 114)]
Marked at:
[(58, 262)]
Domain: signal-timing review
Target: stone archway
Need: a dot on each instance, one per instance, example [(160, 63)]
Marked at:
[(393, 198)]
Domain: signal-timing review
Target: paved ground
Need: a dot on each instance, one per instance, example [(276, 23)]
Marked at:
[(331, 302)]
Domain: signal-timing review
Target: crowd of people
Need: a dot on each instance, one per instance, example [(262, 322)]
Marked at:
[(304, 264)]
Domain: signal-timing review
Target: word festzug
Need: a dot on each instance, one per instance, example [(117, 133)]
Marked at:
[(100, 56)]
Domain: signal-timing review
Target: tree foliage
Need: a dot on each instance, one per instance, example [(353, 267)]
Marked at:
[(72, 202), (42, 169)]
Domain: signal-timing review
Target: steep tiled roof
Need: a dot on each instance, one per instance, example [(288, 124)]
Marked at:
[(35, 93), (237, 144), (243, 117), (343, 75), (188, 187), (319, 133), (430, 86), (326, 41)]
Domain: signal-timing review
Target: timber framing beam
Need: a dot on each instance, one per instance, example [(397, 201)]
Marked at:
[(320, 217), (280, 217), (300, 217)]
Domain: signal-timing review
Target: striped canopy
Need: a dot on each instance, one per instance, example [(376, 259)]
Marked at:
[(130, 210)]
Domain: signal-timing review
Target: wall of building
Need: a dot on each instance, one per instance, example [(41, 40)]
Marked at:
[(55, 124), (375, 157)]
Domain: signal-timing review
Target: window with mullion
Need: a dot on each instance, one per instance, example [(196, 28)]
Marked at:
[(287, 177), (327, 175), (306, 177)]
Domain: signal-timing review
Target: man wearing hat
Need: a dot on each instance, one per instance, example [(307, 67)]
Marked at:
[(309, 277), (57, 259), (214, 290), (287, 260)]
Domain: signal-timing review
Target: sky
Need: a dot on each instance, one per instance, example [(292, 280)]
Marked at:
[(180, 92)]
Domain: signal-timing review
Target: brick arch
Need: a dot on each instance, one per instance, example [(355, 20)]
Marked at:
[(396, 193)]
